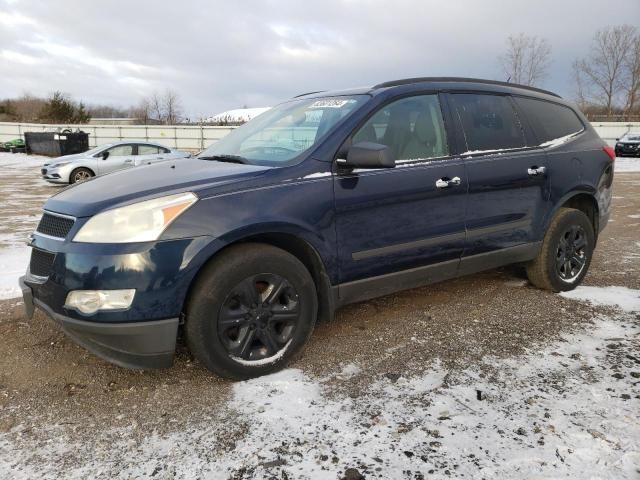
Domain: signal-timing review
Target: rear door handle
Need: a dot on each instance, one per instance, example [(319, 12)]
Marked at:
[(533, 171), (128, 160), (448, 182)]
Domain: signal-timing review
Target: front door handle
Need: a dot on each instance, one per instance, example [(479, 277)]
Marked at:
[(533, 171), (128, 160), (448, 182)]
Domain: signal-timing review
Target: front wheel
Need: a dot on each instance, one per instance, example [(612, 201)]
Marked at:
[(80, 175), (251, 310), (566, 252)]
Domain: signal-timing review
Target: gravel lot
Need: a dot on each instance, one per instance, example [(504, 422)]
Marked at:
[(479, 377)]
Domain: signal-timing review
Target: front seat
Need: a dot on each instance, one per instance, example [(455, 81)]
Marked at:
[(422, 143)]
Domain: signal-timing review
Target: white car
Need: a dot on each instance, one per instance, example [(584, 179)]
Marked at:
[(105, 159)]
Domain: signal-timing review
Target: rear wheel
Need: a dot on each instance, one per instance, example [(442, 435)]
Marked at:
[(80, 175), (566, 252), (251, 311)]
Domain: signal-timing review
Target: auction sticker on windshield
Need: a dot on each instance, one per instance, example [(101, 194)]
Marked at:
[(331, 103)]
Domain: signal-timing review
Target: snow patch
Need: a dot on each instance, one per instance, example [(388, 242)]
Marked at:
[(626, 165), (560, 140), (13, 264), (624, 298)]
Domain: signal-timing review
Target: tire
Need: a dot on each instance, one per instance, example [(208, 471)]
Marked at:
[(566, 252), (80, 175), (239, 323)]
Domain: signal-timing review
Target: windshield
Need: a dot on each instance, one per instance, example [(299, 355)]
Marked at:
[(97, 149), (631, 137), (284, 132)]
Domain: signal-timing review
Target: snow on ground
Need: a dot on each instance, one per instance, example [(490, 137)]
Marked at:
[(23, 192), (624, 298), (627, 164), (565, 410)]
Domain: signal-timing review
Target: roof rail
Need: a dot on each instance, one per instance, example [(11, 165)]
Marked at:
[(407, 81), (309, 93)]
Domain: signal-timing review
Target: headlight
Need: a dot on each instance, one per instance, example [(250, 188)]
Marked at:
[(139, 222), (60, 164)]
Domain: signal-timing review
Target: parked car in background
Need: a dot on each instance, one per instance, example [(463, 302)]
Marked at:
[(106, 159), (327, 199), (14, 146), (628, 145)]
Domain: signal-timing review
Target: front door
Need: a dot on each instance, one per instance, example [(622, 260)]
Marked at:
[(507, 174), (410, 216), (120, 156)]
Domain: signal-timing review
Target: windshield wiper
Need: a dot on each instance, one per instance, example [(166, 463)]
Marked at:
[(226, 158)]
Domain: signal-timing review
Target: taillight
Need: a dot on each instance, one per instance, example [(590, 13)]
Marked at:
[(610, 151)]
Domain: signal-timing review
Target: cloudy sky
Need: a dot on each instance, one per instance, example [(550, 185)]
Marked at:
[(223, 54)]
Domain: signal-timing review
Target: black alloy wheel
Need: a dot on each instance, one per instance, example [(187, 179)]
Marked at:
[(250, 311), (571, 256), (258, 318)]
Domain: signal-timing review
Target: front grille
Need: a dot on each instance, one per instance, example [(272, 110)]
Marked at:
[(54, 225), (41, 262)]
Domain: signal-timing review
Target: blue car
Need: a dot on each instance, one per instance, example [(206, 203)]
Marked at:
[(327, 199)]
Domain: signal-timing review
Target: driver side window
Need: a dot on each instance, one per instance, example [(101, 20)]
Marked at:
[(411, 127)]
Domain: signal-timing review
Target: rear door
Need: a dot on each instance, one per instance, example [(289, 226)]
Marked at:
[(148, 154), (120, 156), (507, 173), (410, 216)]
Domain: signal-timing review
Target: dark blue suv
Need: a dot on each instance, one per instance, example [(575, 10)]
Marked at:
[(327, 199)]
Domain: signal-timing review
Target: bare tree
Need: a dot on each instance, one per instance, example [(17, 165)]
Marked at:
[(581, 96), (172, 107), (155, 107), (603, 69), (28, 107), (165, 108), (142, 112), (527, 59), (631, 77)]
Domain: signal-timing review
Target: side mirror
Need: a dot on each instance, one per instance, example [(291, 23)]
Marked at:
[(617, 139), (369, 155), (105, 155)]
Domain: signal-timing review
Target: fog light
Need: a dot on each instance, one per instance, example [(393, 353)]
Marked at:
[(90, 301)]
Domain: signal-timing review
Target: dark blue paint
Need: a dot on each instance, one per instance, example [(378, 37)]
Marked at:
[(337, 215)]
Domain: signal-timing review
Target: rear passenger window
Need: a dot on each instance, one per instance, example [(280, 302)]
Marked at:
[(549, 120), (411, 127), (148, 150), (489, 122)]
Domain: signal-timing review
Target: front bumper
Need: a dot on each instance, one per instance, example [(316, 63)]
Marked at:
[(56, 175), (149, 344)]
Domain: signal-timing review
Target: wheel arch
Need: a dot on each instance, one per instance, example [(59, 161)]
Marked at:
[(78, 167), (293, 244), (583, 200)]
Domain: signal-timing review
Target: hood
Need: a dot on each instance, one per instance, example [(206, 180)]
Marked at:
[(142, 183), (65, 158)]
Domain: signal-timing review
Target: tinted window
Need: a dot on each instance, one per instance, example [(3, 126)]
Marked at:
[(549, 120), (411, 127), (148, 150), (121, 151), (489, 122)]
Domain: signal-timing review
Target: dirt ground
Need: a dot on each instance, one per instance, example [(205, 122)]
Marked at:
[(48, 384)]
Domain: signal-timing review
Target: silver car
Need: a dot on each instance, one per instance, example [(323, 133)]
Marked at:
[(105, 159)]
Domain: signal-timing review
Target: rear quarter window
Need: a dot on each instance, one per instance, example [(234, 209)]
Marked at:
[(549, 120)]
